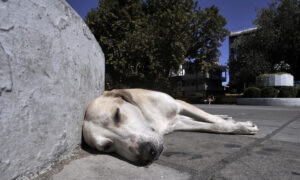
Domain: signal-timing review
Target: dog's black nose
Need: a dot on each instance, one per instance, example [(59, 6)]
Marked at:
[(148, 151)]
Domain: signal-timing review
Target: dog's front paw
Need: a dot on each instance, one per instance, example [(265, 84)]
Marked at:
[(247, 127)]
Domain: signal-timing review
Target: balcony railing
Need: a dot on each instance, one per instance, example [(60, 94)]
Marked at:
[(204, 76)]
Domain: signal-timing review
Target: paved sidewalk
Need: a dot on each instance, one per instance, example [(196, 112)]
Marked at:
[(273, 153)]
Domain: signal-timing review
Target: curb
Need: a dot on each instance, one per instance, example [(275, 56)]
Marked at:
[(269, 101)]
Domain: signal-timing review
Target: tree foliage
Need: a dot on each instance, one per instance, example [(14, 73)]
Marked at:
[(279, 32), (249, 62), (143, 40), (274, 46), (207, 30)]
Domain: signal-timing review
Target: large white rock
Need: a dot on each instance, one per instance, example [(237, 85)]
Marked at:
[(51, 67)]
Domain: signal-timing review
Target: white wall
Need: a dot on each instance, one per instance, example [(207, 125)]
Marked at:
[(51, 67)]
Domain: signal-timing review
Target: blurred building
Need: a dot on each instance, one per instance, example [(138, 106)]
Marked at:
[(190, 82), (233, 54)]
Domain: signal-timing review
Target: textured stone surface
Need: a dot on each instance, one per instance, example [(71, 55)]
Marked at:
[(50, 68), (107, 167)]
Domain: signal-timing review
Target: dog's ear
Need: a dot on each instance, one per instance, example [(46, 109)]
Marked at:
[(121, 93)]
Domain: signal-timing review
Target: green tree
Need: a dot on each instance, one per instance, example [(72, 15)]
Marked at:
[(248, 63), (144, 40), (275, 42), (117, 26), (279, 33), (208, 32)]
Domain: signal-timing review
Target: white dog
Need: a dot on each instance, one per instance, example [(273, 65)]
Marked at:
[(132, 122)]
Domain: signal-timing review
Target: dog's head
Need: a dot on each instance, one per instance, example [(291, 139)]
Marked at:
[(115, 123)]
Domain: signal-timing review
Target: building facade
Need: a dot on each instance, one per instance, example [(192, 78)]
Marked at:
[(233, 55), (205, 82), (233, 43)]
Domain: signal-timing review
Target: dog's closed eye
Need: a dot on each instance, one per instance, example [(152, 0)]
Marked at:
[(117, 117)]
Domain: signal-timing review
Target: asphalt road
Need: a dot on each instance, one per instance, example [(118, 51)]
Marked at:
[(273, 153)]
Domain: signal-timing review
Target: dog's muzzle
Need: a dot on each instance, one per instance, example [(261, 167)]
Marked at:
[(149, 152)]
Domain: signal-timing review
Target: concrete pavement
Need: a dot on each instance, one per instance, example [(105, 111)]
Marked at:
[(273, 153)]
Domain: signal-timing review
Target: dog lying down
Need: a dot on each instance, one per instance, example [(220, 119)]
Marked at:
[(132, 122)]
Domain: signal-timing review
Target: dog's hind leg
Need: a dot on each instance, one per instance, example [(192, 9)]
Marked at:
[(224, 116), (197, 114), (195, 117), (185, 123)]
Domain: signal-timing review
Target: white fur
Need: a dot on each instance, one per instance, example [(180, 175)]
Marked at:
[(145, 116)]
